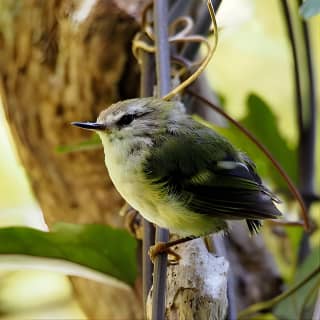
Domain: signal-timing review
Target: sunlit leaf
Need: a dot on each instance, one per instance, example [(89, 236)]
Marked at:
[(72, 249), (92, 143), (310, 8), (264, 124)]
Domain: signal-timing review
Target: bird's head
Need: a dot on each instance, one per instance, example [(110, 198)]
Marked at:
[(134, 119)]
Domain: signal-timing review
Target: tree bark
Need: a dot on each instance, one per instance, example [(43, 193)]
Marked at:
[(196, 286), (61, 61)]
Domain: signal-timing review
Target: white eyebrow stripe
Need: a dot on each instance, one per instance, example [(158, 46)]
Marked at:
[(113, 118)]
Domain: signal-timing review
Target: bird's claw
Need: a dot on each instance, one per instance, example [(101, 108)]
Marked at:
[(163, 247), (132, 221)]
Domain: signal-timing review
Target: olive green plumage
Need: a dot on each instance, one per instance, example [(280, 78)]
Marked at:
[(177, 172)]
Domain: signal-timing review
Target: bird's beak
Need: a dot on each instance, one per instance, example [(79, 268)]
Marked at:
[(90, 125)]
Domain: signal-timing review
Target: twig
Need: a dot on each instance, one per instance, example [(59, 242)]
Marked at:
[(163, 87), (306, 113), (307, 298), (307, 139), (308, 129), (294, 49), (316, 312), (286, 223), (270, 303)]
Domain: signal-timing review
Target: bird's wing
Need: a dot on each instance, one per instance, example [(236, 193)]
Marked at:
[(206, 175)]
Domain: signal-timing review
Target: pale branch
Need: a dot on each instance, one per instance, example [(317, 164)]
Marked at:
[(197, 285)]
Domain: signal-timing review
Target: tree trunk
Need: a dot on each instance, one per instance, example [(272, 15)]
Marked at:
[(61, 61)]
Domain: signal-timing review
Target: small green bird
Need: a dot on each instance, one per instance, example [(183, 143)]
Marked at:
[(178, 173)]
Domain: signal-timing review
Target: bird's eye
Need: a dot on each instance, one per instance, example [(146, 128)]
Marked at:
[(125, 119)]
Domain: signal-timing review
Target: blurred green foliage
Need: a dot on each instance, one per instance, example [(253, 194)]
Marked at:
[(99, 247), (290, 308)]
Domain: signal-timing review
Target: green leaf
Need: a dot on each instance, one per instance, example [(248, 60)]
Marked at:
[(294, 234), (73, 248), (290, 307), (92, 143), (310, 8), (263, 122)]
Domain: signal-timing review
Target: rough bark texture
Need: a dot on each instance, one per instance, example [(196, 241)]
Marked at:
[(61, 62), (197, 285)]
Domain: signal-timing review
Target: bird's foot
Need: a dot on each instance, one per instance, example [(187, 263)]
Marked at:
[(132, 221), (163, 247)]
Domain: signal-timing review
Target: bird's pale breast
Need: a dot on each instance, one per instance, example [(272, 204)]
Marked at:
[(128, 177)]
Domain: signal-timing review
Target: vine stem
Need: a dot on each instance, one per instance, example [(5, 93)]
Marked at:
[(305, 90), (270, 303), (308, 297)]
